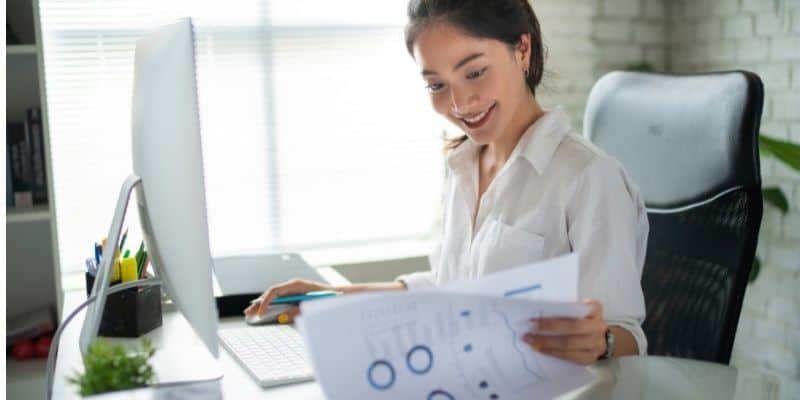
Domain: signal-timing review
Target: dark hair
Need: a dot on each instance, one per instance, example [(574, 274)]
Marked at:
[(503, 20)]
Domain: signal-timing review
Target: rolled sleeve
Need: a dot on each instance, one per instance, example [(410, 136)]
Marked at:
[(418, 280), (634, 326), (607, 226)]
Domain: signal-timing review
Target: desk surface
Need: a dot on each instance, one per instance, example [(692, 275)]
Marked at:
[(624, 378)]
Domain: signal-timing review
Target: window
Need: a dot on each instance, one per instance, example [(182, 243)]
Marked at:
[(317, 131)]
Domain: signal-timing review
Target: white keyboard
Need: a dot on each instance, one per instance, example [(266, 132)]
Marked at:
[(272, 354)]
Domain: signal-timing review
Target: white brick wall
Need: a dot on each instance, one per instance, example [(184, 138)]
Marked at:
[(655, 9), (622, 8), (786, 48), (567, 27), (630, 32), (768, 24), (648, 33), (709, 29), (792, 230), (588, 38), (737, 27), (761, 36), (758, 6), (613, 30)]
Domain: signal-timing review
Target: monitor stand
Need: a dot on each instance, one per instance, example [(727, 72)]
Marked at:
[(91, 323), (181, 356)]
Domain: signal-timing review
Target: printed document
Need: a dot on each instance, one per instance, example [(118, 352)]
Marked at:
[(461, 341)]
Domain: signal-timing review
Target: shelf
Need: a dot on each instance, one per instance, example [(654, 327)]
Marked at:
[(21, 49), (37, 213)]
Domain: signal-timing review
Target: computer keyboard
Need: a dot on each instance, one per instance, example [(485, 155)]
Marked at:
[(272, 354)]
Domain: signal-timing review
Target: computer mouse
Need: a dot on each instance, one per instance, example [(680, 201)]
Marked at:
[(269, 317)]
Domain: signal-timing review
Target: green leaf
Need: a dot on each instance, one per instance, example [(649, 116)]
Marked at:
[(775, 196), (109, 367), (755, 270), (787, 152)]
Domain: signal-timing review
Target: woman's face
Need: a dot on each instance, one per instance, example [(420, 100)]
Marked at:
[(478, 84)]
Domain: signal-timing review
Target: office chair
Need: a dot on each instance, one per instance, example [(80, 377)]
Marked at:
[(690, 143)]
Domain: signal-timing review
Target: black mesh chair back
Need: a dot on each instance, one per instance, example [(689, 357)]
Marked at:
[(690, 143)]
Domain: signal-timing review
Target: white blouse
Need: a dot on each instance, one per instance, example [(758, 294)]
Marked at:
[(556, 194)]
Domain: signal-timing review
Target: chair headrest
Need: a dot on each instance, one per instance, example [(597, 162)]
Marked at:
[(682, 138)]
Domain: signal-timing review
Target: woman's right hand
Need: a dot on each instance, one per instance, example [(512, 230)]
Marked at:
[(292, 287)]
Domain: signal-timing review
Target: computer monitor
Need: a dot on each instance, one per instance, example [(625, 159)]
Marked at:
[(168, 178)]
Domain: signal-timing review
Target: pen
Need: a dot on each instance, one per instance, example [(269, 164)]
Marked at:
[(145, 260), (299, 297), (122, 242), (91, 267), (139, 257)]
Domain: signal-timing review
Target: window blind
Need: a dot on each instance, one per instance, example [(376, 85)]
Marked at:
[(317, 132)]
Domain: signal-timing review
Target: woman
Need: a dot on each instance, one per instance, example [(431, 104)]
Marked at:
[(523, 186)]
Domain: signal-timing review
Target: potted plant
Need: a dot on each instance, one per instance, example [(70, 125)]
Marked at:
[(109, 367)]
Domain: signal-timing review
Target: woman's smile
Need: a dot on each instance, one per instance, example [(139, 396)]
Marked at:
[(477, 120)]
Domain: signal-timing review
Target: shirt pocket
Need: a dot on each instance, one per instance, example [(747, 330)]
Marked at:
[(508, 247)]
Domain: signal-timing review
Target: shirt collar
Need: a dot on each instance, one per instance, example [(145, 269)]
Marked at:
[(537, 144)]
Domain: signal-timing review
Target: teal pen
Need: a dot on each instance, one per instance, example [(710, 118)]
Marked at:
[(300, 297)]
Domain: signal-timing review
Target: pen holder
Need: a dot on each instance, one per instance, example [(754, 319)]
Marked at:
[(130, 313)]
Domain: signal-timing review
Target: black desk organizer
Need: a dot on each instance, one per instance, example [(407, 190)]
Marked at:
[(130, 313)]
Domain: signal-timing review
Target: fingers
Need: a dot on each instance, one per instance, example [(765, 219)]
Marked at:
[(570, 326), (565, 343), (294, 286), (593, 344), (591, 324), (580, 340), (581, 349)]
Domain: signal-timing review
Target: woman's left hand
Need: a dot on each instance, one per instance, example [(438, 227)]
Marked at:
[(580, 340)]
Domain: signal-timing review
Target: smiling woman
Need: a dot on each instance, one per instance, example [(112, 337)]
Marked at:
[(522, 186)]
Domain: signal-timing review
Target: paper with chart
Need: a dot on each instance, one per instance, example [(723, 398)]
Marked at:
[(551, 280), (437, 345)]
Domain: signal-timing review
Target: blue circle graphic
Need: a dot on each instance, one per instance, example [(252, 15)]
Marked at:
[(440, 394), (419, 349), (383, 365)]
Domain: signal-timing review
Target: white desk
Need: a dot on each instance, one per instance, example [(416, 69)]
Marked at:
[(176, 331), (624, 378)]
